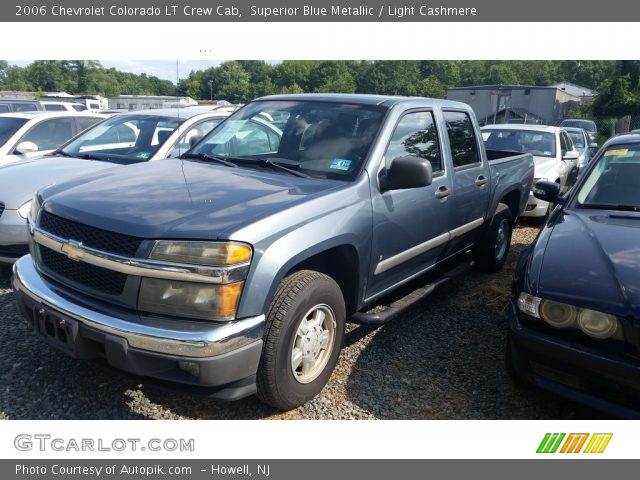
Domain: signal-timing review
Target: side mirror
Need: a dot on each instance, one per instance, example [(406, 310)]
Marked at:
[(407, 172), (593, 145), (571, 155), (195, 139), (547, 191), (26, 147)]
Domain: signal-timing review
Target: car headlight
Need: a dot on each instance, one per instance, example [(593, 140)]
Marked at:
[(204, 301), (24, 209), (597, 324), (201, 253), (556, 314), (563, 315)]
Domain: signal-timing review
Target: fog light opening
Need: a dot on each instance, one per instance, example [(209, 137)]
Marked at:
[(191, 368)]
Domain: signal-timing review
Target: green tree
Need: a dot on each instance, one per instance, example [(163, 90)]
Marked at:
[(501, 74), (232, 83), (331, 76)]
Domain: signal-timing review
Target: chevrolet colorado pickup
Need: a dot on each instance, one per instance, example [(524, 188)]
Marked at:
[(236, 266)]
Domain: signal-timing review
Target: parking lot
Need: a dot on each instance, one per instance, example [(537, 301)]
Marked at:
[(442, 359)]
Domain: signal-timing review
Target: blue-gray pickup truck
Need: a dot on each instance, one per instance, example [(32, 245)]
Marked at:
[(236, 266)]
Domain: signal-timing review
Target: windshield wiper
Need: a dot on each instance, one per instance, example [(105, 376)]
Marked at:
[(267, 162), (62, 153), (206, 156), (606, 206), (88, 156)]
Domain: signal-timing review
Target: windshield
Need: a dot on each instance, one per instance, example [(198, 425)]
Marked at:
[(320, 139), (614, 182), (9, 126), (540, 144), (588, 125), (578, 139), (124, 138)]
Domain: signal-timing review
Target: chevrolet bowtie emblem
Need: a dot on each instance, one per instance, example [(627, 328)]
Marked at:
[(73, 250)]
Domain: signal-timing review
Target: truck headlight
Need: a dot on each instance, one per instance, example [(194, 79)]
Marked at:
[(202, 301), (201, 253), (563, 315)]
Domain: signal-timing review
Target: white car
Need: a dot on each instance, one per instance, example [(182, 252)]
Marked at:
[(134, 137), (28, 134), (554, 156), (53, 106)]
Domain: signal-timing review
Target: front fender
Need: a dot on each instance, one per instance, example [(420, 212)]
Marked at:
[(290, 250)]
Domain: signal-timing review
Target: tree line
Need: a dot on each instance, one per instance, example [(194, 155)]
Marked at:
[(617, 82), (80, 77)]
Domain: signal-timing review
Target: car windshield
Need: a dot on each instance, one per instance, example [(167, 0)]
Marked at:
[(9, 126), (124, 138), (540, 144), (614, 181), (588, 125), (318, 139), (578, 139)]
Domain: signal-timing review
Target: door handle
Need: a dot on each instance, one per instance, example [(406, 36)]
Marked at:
[(442, 192), (481, 180)]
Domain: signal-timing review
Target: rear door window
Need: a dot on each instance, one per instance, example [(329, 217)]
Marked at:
[(462, 139)]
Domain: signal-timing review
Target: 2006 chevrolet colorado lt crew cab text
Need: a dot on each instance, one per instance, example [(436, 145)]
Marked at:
[(236, 266)]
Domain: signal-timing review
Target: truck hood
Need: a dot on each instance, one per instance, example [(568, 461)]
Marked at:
[(592, 258), (179, 198), (21, 180)]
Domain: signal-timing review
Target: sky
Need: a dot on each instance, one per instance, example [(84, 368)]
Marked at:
[(164, 69)]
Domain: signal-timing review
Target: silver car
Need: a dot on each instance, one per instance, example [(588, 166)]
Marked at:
[(553, 153), (583, 144), (123, 139)]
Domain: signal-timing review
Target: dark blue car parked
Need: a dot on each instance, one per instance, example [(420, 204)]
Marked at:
[(575, 309)]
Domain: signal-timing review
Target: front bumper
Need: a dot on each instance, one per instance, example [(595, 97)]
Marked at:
[(535, 207), (205, 354), (598, 379), (14, 237)]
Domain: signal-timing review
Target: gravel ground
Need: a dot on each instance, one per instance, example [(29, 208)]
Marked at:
[(442, 359)]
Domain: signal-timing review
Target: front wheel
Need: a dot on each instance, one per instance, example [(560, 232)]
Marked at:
[(491, 253), (302, 340)]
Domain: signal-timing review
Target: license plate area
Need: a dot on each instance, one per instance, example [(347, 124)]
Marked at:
[(57, 329)]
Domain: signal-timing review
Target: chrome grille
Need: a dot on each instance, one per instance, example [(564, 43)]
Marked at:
[(85, 274), (97, 238)]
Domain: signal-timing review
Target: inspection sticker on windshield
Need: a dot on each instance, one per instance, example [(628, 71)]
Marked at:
[(144, 155), (616, 153), (340, 164)]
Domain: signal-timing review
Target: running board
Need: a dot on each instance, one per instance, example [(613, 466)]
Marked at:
[(374, 316)]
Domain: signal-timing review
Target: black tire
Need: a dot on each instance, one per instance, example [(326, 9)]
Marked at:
[(297, 295), (487, 256)]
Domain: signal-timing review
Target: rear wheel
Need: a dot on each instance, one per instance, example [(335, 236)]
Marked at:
[(491, 253), (302, 340)]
